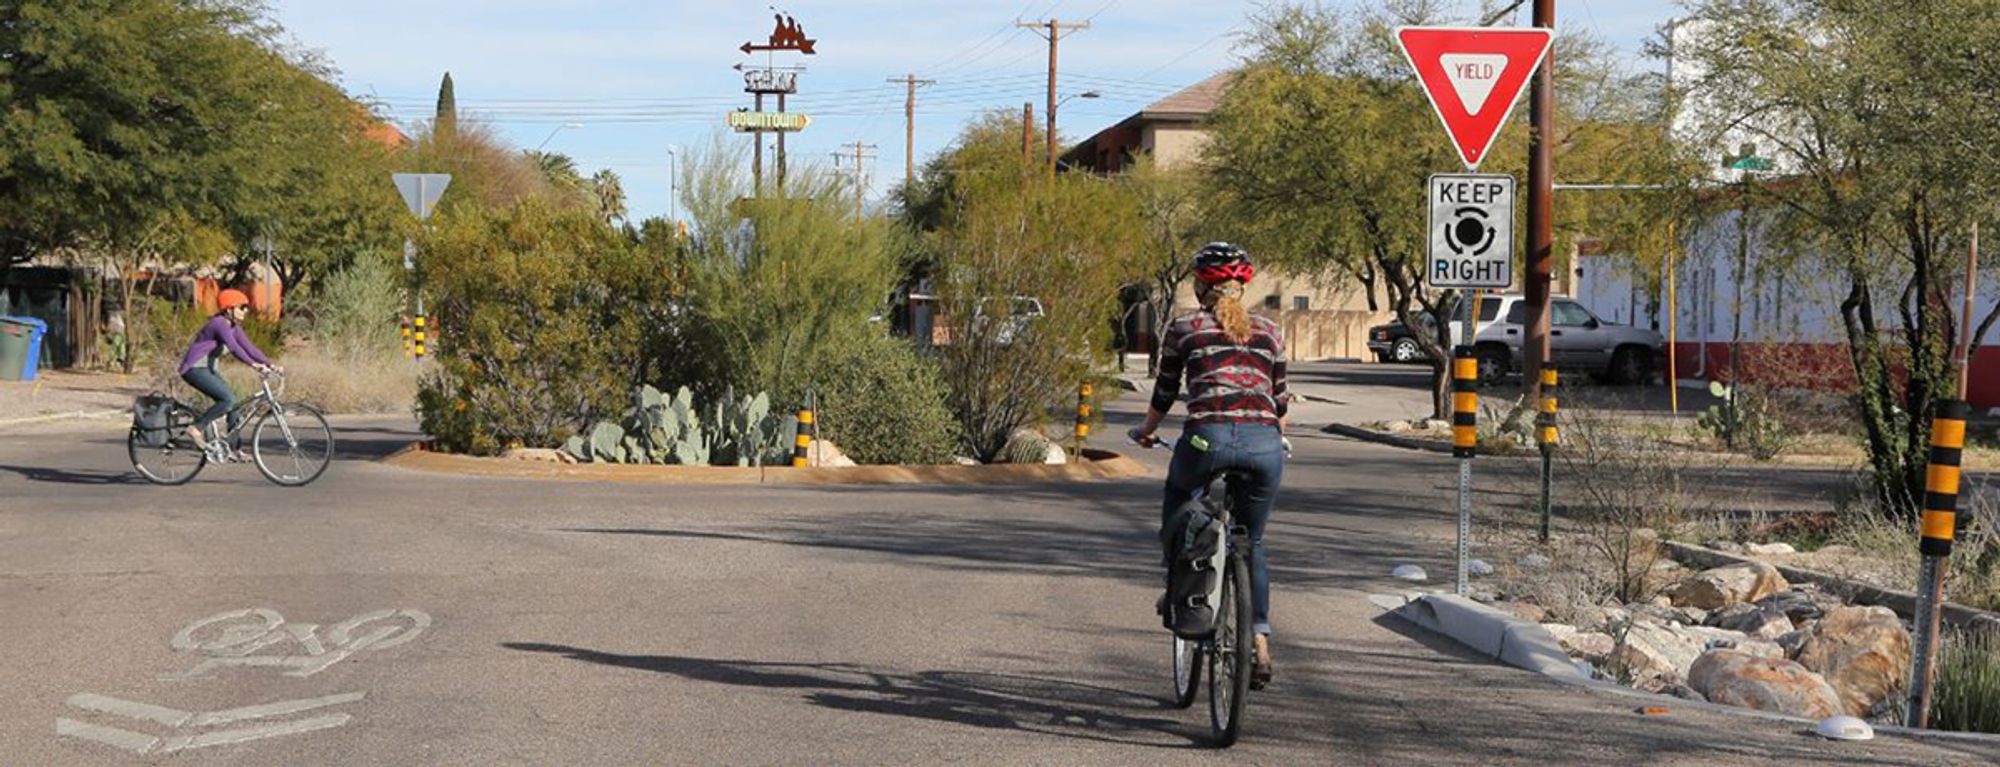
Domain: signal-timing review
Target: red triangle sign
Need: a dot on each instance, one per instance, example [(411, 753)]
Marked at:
[(1473, 76)]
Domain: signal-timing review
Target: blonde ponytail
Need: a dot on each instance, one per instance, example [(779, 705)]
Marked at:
[(1225, 300)]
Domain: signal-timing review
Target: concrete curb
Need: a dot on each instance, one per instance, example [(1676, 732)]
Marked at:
[(1903, 602), (90, 414), (1101, 465), (1526, 645), (1370, 435)]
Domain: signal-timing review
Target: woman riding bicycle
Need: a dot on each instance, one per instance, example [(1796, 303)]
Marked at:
[(223, 331), (1234, 366)]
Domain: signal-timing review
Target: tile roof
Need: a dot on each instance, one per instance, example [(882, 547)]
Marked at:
[(1197, 100)]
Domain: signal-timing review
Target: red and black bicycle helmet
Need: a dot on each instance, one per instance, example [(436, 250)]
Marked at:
[(1219, 262)]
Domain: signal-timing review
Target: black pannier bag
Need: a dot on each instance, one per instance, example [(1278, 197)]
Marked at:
[(152, 419), (1195, 556)]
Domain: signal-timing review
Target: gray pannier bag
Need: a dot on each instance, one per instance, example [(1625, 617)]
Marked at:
[(1194, 572), (152, 419)]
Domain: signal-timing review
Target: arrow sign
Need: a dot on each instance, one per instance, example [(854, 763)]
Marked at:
[(1473, 76), (421, 191)]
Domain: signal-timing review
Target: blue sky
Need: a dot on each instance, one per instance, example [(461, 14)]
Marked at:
[(643, 76)]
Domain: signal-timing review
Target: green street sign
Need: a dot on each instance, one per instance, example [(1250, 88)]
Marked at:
[(1749, 162)]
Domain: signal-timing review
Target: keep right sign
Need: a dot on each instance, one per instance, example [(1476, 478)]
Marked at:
[(1471, 232)]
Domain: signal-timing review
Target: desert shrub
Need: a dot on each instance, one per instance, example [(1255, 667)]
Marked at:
[(882, 403), (357, 310), (1622, 495), (545, 311), (1967, 691), (1749, 419), (773, 284)]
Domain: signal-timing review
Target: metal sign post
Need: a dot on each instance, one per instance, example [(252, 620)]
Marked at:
[(420, 193)]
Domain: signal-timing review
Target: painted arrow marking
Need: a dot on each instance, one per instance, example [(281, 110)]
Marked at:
[(142, 743)]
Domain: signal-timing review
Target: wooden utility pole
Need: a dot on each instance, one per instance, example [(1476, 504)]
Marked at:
[(910, 125), (1053, 30), (1027, 136), (860, 156), (1541, 212), (757, 153)]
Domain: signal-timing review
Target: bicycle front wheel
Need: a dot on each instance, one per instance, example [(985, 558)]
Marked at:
[(1187, 671), (1229, 662), (292, 444), (170, 458)]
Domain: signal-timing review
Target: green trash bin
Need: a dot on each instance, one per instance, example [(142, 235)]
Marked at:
[(16, 338)]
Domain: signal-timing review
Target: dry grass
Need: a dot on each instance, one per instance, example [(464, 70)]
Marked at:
[(352, 383)]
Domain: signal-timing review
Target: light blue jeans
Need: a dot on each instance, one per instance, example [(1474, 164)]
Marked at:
[(1257, 451)]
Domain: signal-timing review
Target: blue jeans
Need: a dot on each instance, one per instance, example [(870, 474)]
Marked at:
[(209, 382), (1255, 450)]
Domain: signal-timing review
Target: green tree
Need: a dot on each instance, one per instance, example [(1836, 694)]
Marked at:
[(1881, 117), (1003, 242), (608, 194), (444, 121), (1172, 216)]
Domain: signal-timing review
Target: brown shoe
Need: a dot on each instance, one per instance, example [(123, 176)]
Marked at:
[(1261, 668)]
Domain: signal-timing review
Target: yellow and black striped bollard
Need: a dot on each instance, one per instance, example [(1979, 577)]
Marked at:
[(1545, 433), (802, 444), (1940, 527), (1082, 417), (1464, 445), (409, 346), (420, 336)]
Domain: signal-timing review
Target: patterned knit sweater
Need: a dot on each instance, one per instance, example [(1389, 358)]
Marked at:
[(1225, 382)]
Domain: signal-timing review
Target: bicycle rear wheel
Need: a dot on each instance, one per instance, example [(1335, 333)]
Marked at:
[(174, 462), (1187, 671), (1229, 661), (292, 444)]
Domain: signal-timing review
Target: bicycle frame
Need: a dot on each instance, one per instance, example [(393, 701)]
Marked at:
[(249, 410)]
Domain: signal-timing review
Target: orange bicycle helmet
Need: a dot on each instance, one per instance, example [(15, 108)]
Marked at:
[(230, 299)]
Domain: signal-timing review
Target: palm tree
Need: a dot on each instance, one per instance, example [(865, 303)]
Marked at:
[(610, 194)]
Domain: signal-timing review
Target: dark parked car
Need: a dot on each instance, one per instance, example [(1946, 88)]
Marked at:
[(1394, 342)]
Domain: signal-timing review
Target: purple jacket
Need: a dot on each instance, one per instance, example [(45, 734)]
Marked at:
[(218, 333)]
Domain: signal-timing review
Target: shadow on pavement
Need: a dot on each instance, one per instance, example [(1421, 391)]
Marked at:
[(41, 474), (976, 699)]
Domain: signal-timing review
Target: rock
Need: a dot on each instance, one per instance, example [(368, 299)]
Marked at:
[(1056, 455), (537, 455), (1589, 645), (1478, 567), (1790, 643), (825, 453), (1601, 617), (1535, 562), (1692, 616), (1663, 686), (1396, 427), (1525, 611), (1769, 549), (1797, 606), (1864, 652), (1728, 614), (1755, 620), (964, 461), (1777, 685), (1434, 424), (1711, 589), (1409, 573), (1655, 649), (1728, 547)]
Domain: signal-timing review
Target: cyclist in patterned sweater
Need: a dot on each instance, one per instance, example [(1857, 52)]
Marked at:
[(1234, 367)]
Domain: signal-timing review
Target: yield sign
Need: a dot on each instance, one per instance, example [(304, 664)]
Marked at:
[(1473, 76), (421, 191)]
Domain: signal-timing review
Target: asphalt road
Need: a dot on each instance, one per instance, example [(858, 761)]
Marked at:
[(432, 619)]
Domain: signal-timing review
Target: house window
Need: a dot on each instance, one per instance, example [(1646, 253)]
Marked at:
[(1272, 303), (1302, 303)]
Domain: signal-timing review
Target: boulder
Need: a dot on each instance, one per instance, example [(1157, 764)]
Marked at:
[(1589, 645), (824, 453), (1652, 612), (1525, 611), (1662, 686), (538, 455), (1756, 621), (1728, 614), (1777, 685), (1791, 642), (1864, 652), (1714, 588), (1666, 650), (1797, 606), (1056, 454), (1728, 547), (1769, 549), (1397, 427)]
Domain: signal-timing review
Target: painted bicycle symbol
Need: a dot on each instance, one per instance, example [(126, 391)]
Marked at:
[(241, 638)]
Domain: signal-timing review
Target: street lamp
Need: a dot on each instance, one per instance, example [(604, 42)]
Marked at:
[(552, 134), (1052, 126), (673, 186)]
